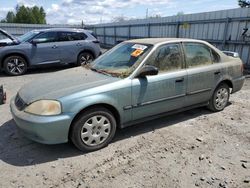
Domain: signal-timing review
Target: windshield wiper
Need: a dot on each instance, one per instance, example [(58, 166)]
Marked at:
[(101, 71)]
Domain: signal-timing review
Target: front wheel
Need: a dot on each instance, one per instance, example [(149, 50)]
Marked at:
[(85, 58), (220, 98), (15, 65), (93, 130)]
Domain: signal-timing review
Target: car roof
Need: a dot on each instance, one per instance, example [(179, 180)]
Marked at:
[(155, 41), (62, 29)]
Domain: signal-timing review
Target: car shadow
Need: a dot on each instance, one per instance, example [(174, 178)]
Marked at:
[(16, 150), (42, 70)]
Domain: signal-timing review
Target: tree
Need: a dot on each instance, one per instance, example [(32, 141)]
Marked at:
[(33, 15), (244, 3), (10, 17)]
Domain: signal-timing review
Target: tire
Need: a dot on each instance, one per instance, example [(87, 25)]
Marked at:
[(85, 58), (88, 135), (15, 65), (220, 98)]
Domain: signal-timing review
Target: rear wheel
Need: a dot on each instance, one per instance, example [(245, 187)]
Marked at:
[(15, 65), (220, 98), (93, 130), (85, 58)]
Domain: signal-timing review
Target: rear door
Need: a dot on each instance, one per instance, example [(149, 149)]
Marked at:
[(70, 44), (163, 92), (203, 72), (46, 51)]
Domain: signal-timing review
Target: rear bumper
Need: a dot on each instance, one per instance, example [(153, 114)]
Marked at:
[(42, 129), (238, 84)]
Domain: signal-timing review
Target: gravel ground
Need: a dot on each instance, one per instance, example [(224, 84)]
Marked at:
[(195, 148)]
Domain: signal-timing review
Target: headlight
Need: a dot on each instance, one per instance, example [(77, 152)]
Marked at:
[(44, 107)]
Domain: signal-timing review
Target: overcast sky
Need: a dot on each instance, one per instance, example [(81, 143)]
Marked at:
[(94, 11)]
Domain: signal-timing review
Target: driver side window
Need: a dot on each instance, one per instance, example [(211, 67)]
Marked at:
[(167, 58), (47, 37)]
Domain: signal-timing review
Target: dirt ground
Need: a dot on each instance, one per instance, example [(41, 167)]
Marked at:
[(195, 148)]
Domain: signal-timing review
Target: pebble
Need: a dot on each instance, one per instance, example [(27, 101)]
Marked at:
[(243, 165), (197, 184), (243, 161), (223, 168), (199, 139), (222, 185), (246, 181), (202, 179), (201, 157)]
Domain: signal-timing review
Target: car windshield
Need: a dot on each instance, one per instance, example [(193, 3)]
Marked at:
[(28, 36), (122, 60)]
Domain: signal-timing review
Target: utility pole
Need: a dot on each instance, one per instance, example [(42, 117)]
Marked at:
[(147, 13)]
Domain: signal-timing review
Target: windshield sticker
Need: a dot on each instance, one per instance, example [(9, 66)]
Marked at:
[(137, 52), (139, 47)]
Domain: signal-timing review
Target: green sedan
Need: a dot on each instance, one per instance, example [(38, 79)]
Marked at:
[(135, 81)]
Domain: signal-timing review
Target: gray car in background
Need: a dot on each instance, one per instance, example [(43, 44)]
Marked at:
[(47, 47)]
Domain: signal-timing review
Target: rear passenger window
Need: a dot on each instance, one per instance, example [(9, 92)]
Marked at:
[(197, 54), (71, 36), (166, 58)]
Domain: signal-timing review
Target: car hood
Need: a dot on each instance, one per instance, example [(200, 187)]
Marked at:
[(63, 83), (9, 36)]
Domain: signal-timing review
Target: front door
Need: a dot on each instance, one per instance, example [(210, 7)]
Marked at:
[(46, 51), (163, 92)]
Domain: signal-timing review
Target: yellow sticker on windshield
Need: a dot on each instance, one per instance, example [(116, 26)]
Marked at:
[(137, 52)]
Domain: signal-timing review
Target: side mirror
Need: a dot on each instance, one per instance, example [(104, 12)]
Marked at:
[(147, 70), (36, 41)]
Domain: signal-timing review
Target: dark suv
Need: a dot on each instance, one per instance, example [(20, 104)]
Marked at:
[(47, 47)]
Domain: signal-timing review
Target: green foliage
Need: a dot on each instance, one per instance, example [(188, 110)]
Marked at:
[(244, 3), (32, 15)]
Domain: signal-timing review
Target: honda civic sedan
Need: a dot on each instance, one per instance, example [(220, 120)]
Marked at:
[(136, 81)]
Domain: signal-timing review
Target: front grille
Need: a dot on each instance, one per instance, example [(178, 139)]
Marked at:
[(20, 104)]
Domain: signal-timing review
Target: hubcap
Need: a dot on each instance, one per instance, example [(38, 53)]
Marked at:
[(95, 130), (221, 98), (86, 59), (15, 66)]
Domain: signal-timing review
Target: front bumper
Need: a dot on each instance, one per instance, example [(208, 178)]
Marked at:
[(42, 129)]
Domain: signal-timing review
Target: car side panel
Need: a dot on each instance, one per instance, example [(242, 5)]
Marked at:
[(201, 83), (157, 94), (117, 95), (44, 53), (231, 70), (68, 51)]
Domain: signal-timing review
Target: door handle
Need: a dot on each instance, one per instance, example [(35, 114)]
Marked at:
[(55, 46), (78, 44), (179, 80), (217, 72)]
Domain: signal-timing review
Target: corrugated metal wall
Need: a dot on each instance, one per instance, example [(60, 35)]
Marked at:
[(20, 29), (222, 28)]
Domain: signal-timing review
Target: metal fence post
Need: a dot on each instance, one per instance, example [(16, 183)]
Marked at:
[(225, 33), (149, 32), (104, 35), (115, 34), (177, 30), (129, 31)]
